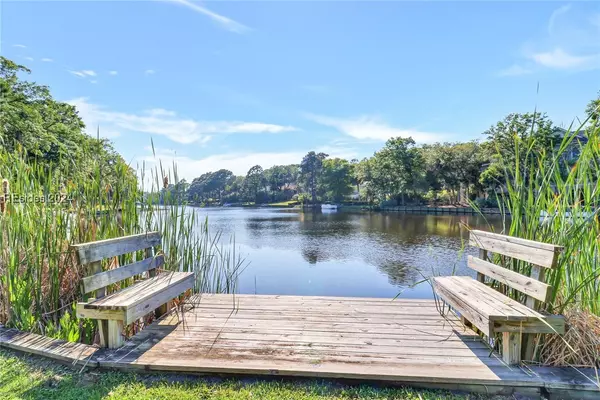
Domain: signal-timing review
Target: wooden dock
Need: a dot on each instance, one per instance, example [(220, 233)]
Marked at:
[(400, 341)]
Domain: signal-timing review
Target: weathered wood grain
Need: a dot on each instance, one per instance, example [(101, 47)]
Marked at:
[(140, 291), (74, 353), (96, 251), (93, 313), (542, 254), (522, 283), (103, 279)]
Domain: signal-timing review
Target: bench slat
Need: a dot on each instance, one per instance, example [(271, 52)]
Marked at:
[(83, 312), (103, 279), (506, 308), (551, 324), (139, 292), (142, 308), (96, 251), (522, 283), (542, 254), (446, 289)]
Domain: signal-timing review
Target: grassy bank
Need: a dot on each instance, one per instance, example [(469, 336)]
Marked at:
[(29, 377)]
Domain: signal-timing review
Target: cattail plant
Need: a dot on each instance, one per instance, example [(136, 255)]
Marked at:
[(40, 278)]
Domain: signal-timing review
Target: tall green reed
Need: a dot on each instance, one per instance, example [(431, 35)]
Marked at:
[(40, 279), (552, 200)]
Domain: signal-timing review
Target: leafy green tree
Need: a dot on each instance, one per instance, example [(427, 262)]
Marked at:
[(363, 176), (310, 169), (525, 140), (254, 182), (336, 179), (593, 109), (50, 132), (398, 169)]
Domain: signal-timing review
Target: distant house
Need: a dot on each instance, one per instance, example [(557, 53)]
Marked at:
[(571, 154)]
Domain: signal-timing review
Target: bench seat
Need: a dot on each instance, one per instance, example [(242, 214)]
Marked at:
[(139, 299), (491, 311)]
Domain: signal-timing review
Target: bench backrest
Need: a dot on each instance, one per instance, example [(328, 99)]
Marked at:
[(91, 255), (541, 256)]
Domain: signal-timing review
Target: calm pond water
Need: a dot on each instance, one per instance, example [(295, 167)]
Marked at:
[(292, 252)]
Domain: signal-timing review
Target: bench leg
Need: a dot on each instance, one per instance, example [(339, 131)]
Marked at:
[(103, 332), (115, 334), (511, 347)]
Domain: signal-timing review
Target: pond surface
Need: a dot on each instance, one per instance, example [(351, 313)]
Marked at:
[(292, 252)]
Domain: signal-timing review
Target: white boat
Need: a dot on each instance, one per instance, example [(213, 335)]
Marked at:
[(546, 216), (329, 207)]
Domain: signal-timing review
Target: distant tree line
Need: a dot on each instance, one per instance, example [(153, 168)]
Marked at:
[(402, 172), (52, 134)]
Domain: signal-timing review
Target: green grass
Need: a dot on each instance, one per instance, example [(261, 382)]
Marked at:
[(288, 203), (30, 377)]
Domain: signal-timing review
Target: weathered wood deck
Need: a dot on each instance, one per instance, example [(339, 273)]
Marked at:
[(400, 341)]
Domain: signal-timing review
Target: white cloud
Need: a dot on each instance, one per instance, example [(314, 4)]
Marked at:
[(225, 22), (555, 14), (165, 123), (94, 81), (149, 72), (570, 43), (237, 162), (560, 59), (21, 46), (113, 73), (29, 58), (47, 60), (372, 128), (83, 73), (161, 112), (515, 70)]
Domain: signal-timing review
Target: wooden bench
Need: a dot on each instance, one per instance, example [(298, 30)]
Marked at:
[(492, 312), (125, 306)]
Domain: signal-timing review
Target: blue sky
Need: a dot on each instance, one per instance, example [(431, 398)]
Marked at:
[(233, 84)]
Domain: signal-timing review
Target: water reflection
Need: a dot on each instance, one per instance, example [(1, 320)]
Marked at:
[(345, 254)]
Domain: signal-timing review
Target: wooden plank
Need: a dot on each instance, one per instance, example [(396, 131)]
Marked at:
[(140, 291), (60, 350), (95, 267), (282, 299), (141, 308), (83, 312), (103, 279), (522, 283), (483, 254), (355, 310), (398, 333), (325, 338), (511, 347), (542, 254), (507, 308), (550, 324), (476, 314), (96, 251), (528, 349), (342, 319), (115, 334)]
